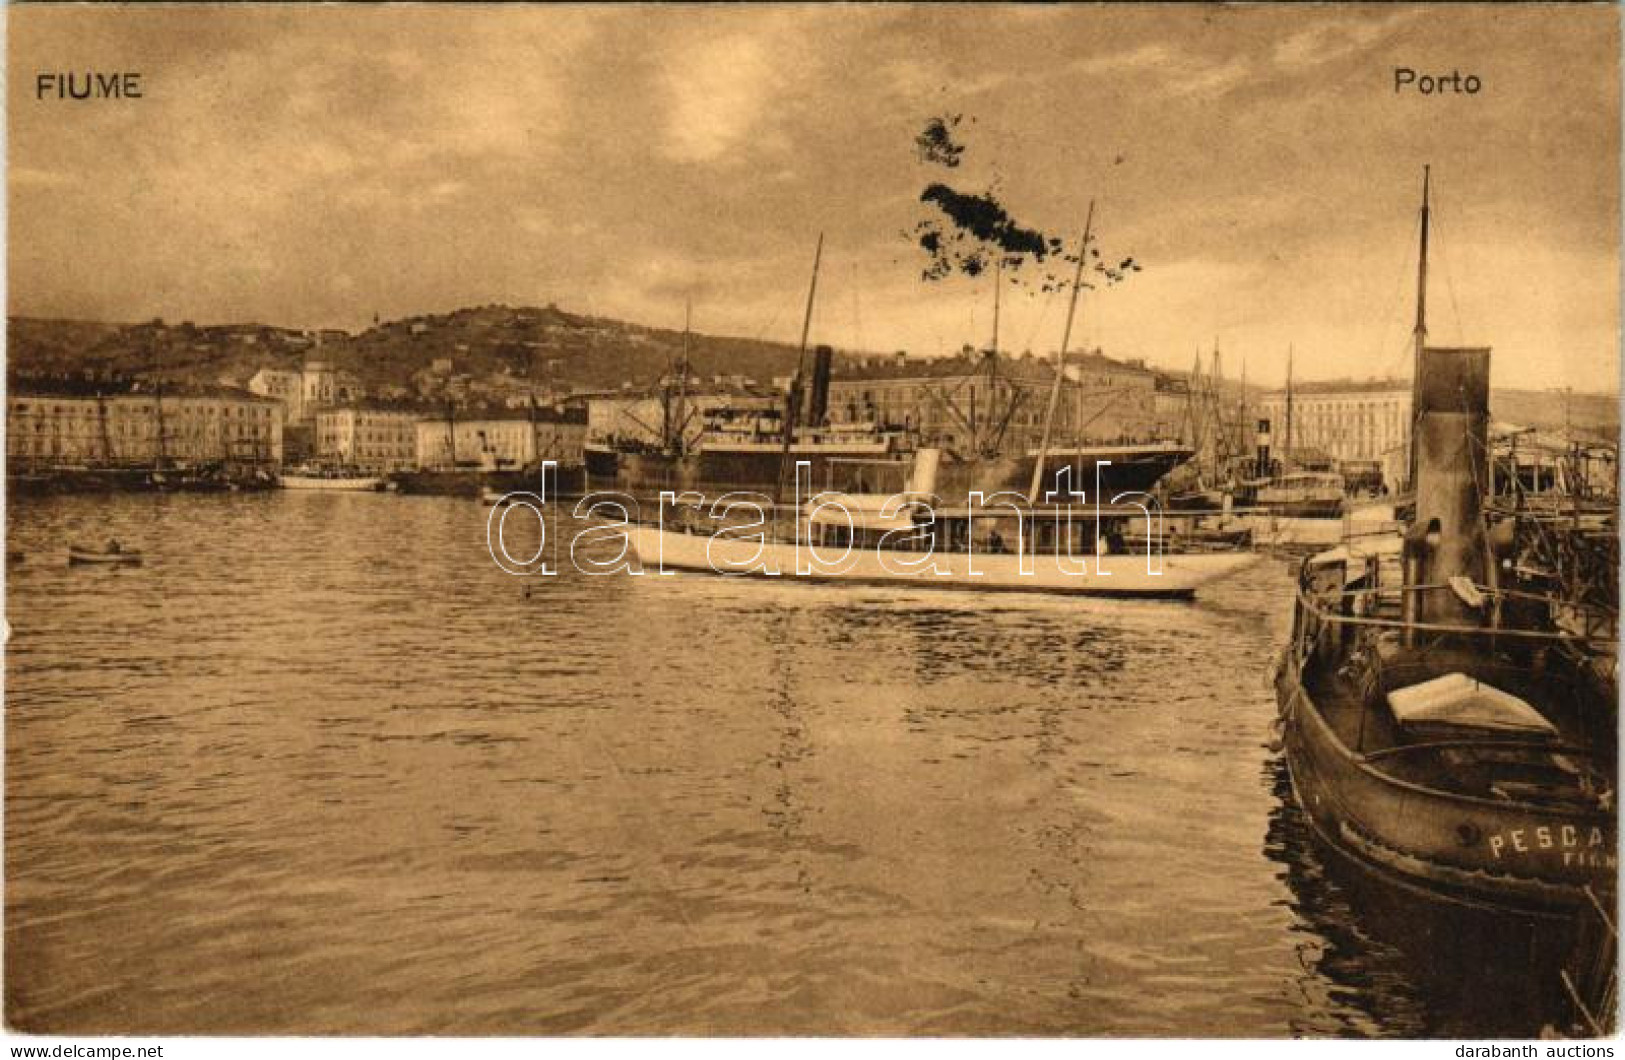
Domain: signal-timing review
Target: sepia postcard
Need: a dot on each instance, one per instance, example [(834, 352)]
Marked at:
[(911, 521)]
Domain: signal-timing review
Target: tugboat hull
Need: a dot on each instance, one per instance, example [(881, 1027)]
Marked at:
[(1497, 854)]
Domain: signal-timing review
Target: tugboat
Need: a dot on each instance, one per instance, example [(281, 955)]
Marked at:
[(1438, 731)]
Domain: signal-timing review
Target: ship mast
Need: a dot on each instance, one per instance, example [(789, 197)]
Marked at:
[(1286, 453), (791, 399), (998, 282), (1060, 360), (679, 417), (101, 416), (158, 408), (1420, 332)]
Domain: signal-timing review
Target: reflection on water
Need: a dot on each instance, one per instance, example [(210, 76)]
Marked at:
[(1405, 965), (319, 766)]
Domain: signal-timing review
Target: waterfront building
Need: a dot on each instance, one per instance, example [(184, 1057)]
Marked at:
[(375, 438), (1353, 422), (124, 424), (501, 438), (965, 402)]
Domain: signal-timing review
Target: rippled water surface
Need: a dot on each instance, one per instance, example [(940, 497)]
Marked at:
[(319, 766)]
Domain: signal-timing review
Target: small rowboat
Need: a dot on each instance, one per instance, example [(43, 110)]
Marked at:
[(79, 554)]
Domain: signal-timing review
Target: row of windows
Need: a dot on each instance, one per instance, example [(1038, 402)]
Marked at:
[(117, 411)]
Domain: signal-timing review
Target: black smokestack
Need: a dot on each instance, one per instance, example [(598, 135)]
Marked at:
[(823, 358)]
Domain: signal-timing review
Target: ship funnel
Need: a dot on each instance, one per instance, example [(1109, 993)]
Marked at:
[(818, 407), (1446, 538)]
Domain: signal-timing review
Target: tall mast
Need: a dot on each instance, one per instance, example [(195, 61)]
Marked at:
[(1220, 446), (1060, 359), (680, 416), (1420, 332), (790, 402), (998, 282), (101, 416), (1244, 430), (1287, 454), (158, 404)]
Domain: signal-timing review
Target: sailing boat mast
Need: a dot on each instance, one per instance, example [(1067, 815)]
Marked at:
[(1060, 359), (1420, 332), (792, 403)]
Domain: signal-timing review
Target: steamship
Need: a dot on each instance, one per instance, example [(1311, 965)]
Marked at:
[(1441, 729), (755, 451), (760, 450)]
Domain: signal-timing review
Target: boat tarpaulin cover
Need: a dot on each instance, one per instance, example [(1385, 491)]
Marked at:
[(1456, 699)]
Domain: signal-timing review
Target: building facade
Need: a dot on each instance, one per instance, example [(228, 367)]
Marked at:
[(306, 391), (966, 403), (375, 439), (176, 426), (502, 440), (285, 385), (1351, 422)]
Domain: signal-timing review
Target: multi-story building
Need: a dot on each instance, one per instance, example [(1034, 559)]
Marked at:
[(319, 385), (110, 424), (375, 438), (967, 402), (502, 439), (1349, 421), (305, 391), (286, 385)]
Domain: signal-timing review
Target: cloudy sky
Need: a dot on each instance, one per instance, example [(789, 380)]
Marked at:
[(319, 165)]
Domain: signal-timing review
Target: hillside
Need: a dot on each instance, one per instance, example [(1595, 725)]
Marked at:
[(545, 346)]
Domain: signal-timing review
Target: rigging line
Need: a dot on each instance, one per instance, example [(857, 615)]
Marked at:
[(772, 322), (1043, 313), (1449, 283), (1395, 359)]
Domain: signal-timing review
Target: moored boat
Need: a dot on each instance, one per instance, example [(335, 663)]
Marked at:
[(1302, 495), (899, 542), (334, 478), (1440, 731)]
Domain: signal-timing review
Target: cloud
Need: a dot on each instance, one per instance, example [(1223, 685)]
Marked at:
[(718, 94), (1327, 41)]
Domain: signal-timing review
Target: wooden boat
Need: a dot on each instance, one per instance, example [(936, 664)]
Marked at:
[(79, 554), (1439, 728)]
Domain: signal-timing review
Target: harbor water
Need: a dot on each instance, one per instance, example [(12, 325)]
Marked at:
[(319, 766)]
